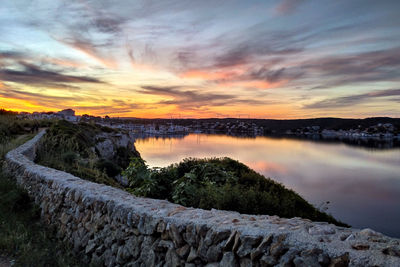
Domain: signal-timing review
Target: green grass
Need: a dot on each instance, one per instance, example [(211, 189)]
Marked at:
[(220, 183), (22, 237)]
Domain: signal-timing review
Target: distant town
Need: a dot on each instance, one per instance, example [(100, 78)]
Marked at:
[(321, 128)]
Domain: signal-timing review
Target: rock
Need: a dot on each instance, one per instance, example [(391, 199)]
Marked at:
[(183, 251), (245, 262), (228, 260), (231, 240), (190, 235), (161, 226), (90, 247), (350, 237), (312, 258), (108, 258), (340, 261), (147, 225), (236, 242), (164, 245), (175, 235), (123, 255), (262, 248), (171, 258), (321, 230), (213, 264), (277, 248), (214, 253), (392, 251), (267, 261), (360, 246), (192, 255), (368, 232), (247, 244)]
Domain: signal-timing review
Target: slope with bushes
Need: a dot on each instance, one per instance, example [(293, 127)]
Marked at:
[(220, 183), (88, 151)]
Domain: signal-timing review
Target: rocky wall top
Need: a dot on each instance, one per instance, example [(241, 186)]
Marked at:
[(357, 247)]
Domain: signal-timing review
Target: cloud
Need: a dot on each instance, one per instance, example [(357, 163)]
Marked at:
[(352, 99), (34, 75), (286, 7), (382, 65), (187, 99), (90, 48)]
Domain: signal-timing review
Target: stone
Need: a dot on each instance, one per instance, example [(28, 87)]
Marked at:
[(231, 240), (171, 258), (247, 244), (123, 255), (287, 259), (277, 248), (321, 230), (267, 261), (90, 247), (190, 236), (360, 246), (262, 248), (236, 242), (183, 251), (311, 258), (147, 225), (245, 262), (228, 260), (214, 253), (192, 255), (340, 261), (213, 264), (175, 235), (165, 244), (392, 251), (368, 232)]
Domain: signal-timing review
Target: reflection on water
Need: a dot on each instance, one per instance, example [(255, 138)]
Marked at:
[(363, 186)]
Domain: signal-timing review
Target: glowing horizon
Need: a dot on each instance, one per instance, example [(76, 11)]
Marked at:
[(281, 59)]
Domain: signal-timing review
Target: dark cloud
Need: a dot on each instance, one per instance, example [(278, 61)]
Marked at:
[(12, 55), (195, 99), (382, 65), (32, 74), (273, 76), (352, 100)]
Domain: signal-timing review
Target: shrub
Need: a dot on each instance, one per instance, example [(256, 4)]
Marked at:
[(220, 183)]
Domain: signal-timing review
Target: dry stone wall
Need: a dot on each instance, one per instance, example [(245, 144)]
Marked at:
[(108, 226)]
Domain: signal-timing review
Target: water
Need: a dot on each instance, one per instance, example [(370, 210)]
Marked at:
[(362, 184)]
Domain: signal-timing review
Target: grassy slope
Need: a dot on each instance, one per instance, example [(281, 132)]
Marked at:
[(69, 147), (22, 237)]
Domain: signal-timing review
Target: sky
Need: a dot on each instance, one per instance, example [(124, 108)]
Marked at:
[(281, 59)]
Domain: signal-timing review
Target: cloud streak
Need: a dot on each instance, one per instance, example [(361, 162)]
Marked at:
[(347, 101), (34, 75), (185, 98)]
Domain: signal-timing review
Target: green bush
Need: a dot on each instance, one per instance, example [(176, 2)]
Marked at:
[(220, 183), (109, 167)]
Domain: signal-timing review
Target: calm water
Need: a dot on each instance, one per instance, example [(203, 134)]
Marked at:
[(362, 185)]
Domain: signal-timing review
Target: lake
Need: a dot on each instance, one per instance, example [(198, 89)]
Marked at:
[(362, 185)]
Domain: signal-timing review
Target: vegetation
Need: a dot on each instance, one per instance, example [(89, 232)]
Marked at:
[(71, 147), (220, 183), (22, 237)]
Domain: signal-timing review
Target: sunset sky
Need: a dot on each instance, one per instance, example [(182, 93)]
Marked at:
[(195, 59)]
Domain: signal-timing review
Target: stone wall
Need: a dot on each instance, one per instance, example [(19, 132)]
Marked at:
[(111, 227)]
